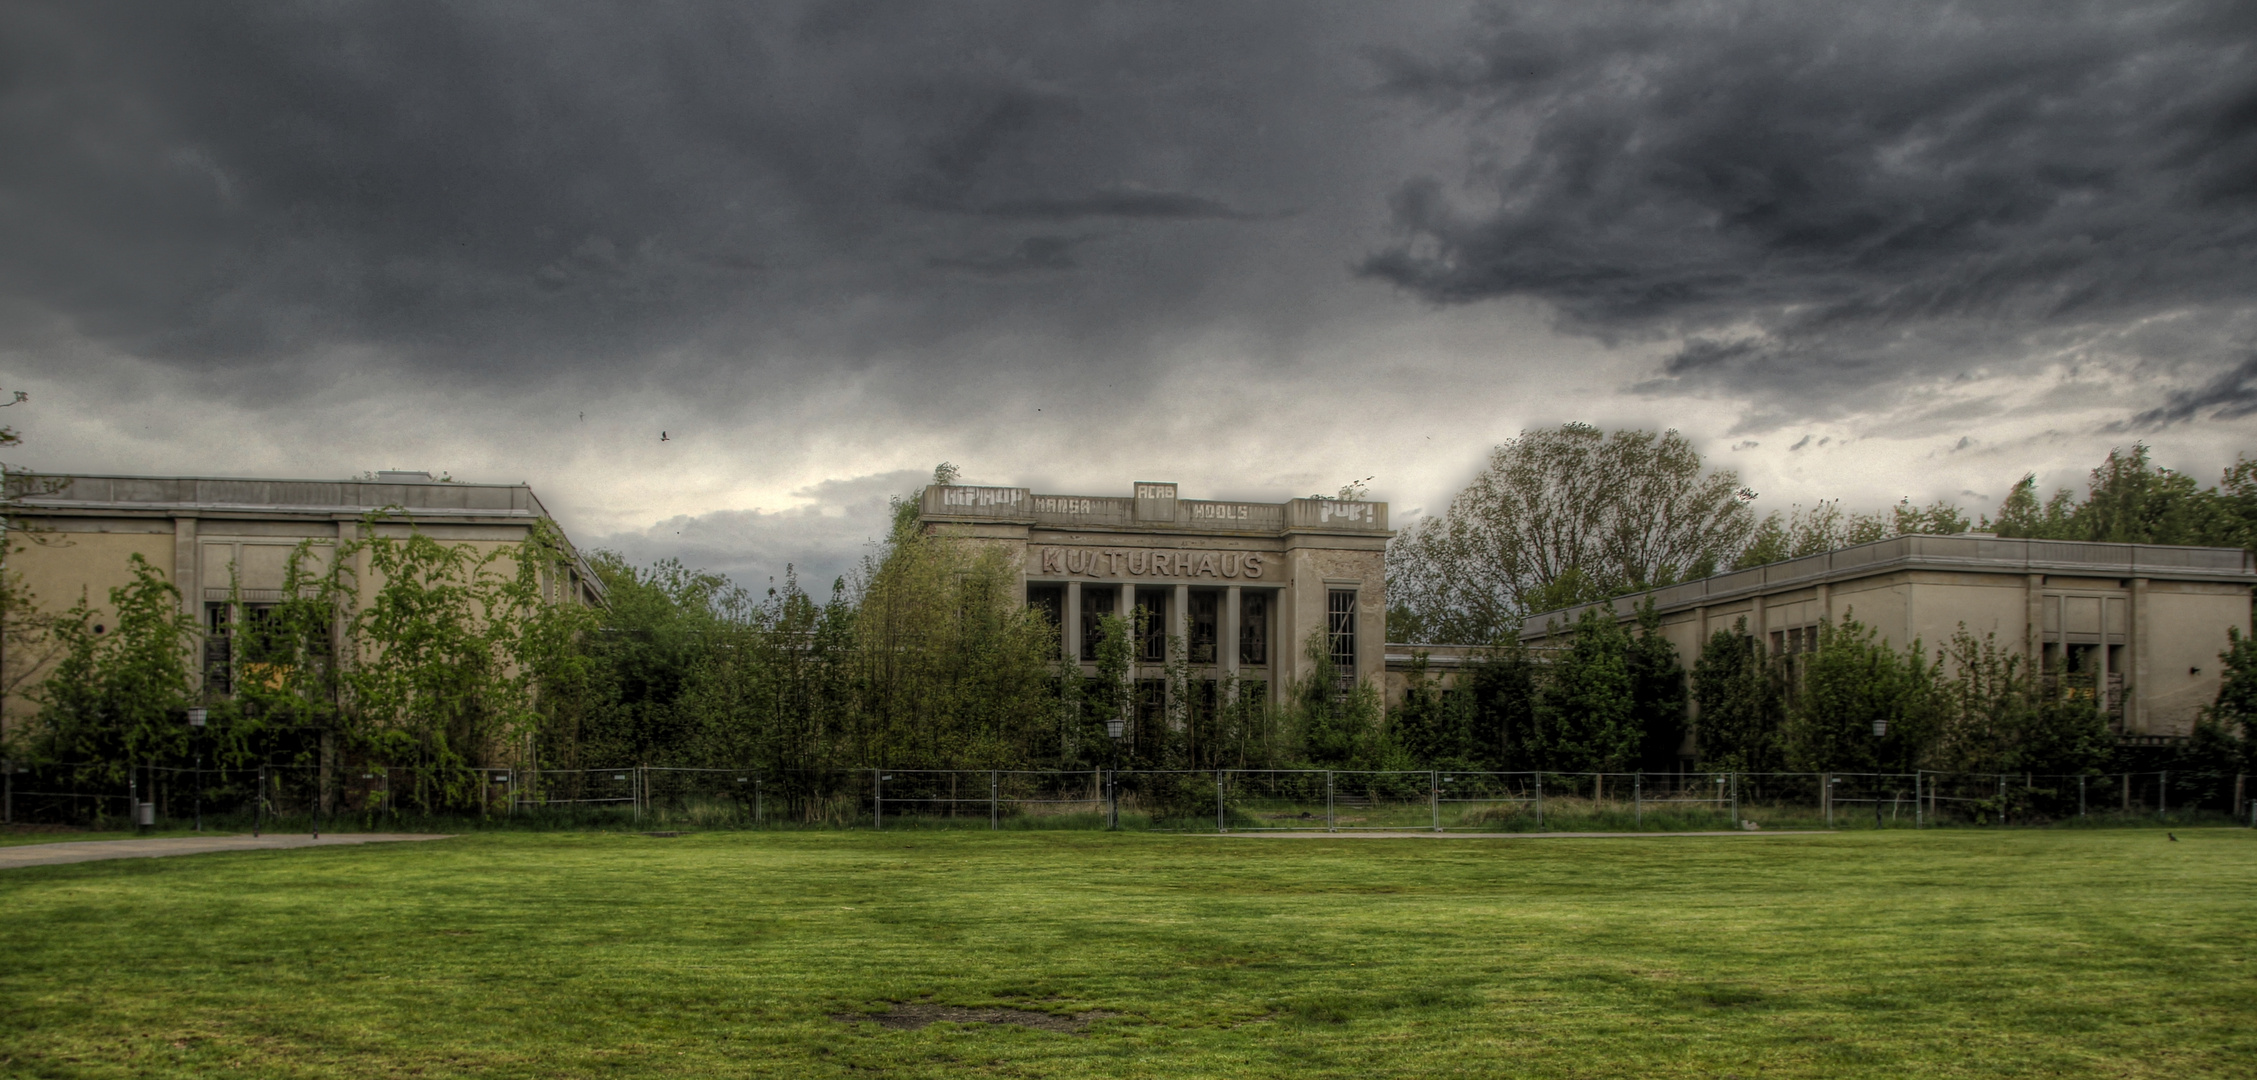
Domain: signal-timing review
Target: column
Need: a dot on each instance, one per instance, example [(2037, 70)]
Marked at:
[(2033, 641), (1759, 626), (184, 576), (1825, 602), (1226, 644), (1072, 619), (2135, 635), (191, 586), (1179, 618)]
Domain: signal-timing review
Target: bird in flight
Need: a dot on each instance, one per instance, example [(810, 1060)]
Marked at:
[(662, 437)]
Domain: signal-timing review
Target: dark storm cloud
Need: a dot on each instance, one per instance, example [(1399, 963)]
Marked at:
[(2230, 396), (1033, 254), (494, 190), (1823, 197)]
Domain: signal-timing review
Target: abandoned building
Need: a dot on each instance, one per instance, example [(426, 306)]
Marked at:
[(1246, 586)]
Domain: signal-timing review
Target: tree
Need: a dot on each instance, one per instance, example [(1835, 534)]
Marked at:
[(1993, 714), (2236, 706), (1740, 703), (1435, 724), (950, 665), (1851, 682), (28, 638), (2130, 500), (1657, 692), (1824, 527), (1586, 706), (1563, 516), (119, 693), (1339, 727)]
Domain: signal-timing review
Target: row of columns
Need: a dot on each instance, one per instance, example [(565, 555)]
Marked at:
[(1179, 613)]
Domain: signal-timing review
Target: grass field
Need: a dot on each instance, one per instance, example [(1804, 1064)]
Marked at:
[(1883, 954)]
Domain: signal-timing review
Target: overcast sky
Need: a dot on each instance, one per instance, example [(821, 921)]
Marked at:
[(1259, 249)]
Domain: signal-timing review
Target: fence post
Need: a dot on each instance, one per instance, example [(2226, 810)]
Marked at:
[(2239, 785), (1638, 795), (2080, 795), (1219, 825), (2127, 793), (1919, 821), (1434, 797), (757, 817), (8, 792), (258, 804), (1539, 800), (1328, 819), (1735, 800), (994, 804), (878, 798), (1826, 796), (2163, 794)]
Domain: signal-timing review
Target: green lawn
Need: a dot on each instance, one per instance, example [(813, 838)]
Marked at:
[(1884, 954)]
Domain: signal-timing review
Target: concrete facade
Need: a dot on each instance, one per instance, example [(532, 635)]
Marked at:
[(1244, 585), (2145, 621), (72, 536)]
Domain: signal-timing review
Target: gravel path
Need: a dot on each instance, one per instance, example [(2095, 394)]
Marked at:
[(90, 850), (1422, 834)]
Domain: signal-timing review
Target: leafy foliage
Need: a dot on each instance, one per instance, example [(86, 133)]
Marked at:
[(118, 695), (1563, 516), (1741, 703), (2129, 499)]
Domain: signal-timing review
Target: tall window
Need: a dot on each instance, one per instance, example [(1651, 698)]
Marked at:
[(1340, 626), (1095, 604), (1203, 627), (1254, 629), (219, 642), (1152, 615)]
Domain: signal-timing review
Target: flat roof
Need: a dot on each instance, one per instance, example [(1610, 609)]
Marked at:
[(82, 493), (93, 495), (1153, 506), (1966, 553)]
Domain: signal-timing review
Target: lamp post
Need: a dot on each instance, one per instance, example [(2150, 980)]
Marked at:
[(1115, 727), (196, 719)]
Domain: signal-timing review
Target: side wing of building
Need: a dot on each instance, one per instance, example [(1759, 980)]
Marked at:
[(226, 543), (2140, 625)]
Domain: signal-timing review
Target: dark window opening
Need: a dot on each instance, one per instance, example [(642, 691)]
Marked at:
[(1151, 702), (1152, 625), (1795, 642), (219, 651), (1095, 605), (1254, 629), (1203, 627)]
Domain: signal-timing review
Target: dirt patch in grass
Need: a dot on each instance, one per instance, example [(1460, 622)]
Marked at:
[(910, 1017)]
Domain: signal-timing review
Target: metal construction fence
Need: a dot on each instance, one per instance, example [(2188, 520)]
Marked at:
[(1229, 800)]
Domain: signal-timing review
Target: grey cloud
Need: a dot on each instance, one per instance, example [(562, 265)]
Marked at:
[(1120, 204), (489, 191), (820, 541), (2230, 396), (1033, 254), (1823, 198)]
